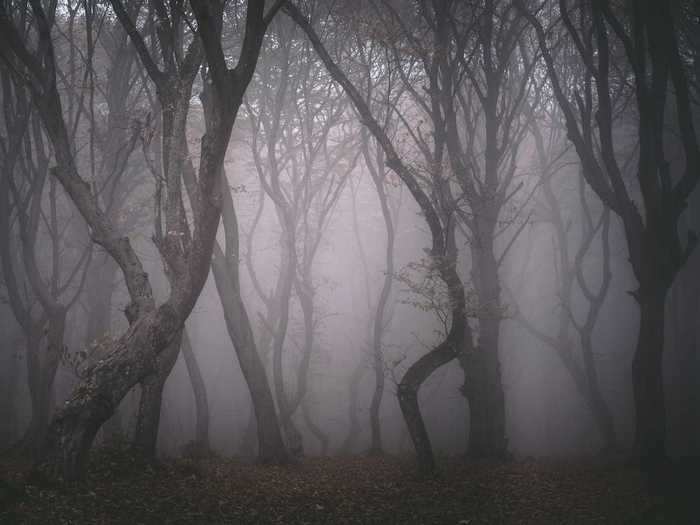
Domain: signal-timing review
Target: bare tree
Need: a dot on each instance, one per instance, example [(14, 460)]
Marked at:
[(651, 204), (133, 356), (442, 253)]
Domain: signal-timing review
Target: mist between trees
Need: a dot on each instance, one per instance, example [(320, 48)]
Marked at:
[(277, 229)]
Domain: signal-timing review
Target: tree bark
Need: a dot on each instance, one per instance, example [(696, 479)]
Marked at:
[(647, 379), (148, 417)]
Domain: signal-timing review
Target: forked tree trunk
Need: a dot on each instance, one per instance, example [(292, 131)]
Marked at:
[(148, 417), (132, 357)]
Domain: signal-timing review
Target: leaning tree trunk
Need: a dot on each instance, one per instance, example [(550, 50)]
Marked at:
[(225, 268), (100, 289), (199, 390), (270, 444), (148, 418), (131, 357)]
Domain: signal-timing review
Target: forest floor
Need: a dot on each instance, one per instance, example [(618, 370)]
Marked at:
[(120, 488)]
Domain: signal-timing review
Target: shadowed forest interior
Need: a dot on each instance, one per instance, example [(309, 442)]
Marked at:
[(373, 261)]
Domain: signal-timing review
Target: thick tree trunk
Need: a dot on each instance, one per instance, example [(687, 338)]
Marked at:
[(148, 417), (100, 288), (129, 359), (483, 384), (201, 435), (647, 377)]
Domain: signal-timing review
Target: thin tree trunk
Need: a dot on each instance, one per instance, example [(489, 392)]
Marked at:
[(316, 430), (199, 390), (379, 317), (225, 267), (42, 364), (270, 444)]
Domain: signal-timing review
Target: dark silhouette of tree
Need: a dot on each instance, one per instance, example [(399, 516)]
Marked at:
[(637, 49)]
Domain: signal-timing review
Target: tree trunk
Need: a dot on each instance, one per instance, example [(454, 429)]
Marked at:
[(201, 439), (148, 418), (316, 430), (248, 447), (100, 290), (129, 359), (270, 445), (286, 410), (42, 364), (483, 382), (647, 377)]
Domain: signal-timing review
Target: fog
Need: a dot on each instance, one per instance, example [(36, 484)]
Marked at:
[(480, 217)]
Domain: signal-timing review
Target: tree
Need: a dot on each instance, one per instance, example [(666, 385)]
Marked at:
[(570, 275), (24, 195), (442, 254), (302, 155), (132, 356), (651, 204)]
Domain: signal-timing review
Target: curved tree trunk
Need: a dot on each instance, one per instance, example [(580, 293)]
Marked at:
[(270, 445), (199, 390), (379, 317), (286, 409), (100, 288), (225, 267)]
